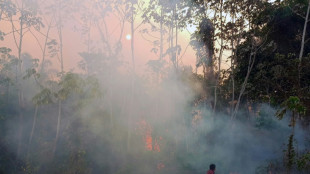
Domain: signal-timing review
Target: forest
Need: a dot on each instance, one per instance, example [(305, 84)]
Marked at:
[(81, 92)]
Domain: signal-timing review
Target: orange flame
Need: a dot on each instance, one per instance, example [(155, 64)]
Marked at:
[(151, 144)]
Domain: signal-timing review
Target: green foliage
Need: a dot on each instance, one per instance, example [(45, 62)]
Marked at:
[(293, 104), (8, 7), (2, 35), (303, 162), (290, 154), (90, 117), (203, 43), (30, 72), (7, 63), (45, 96), (275, 70), (70, 83), (52, 47)]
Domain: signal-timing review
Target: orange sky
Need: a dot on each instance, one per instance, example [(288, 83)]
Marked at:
[(73, 42)]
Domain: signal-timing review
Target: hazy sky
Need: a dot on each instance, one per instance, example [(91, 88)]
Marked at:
[(74, 42)]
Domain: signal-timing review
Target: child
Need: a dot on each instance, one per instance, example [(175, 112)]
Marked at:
[(212, 169)]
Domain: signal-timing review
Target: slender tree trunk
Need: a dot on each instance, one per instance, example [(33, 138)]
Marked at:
[(88, 37), (233, 54), (171, 39), (111, 106), (61, 50), (59, 25), (58, 126), (8, 95), (33, 128), (303, 41), (232, 78), (132, 38), (250, 66), (33, 124), (45, 45), (161, 34), (171, 43), (293, 123), (176, 37), (20, 92), (130, 117), (304, 33), (220, 58), (62, 71)]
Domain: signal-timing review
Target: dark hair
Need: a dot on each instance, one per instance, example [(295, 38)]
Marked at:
[(212, 167)]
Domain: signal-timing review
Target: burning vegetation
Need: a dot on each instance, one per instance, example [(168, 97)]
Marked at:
[(161, 86)]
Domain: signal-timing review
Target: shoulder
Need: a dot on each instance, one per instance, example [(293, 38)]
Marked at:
[(210, 172)]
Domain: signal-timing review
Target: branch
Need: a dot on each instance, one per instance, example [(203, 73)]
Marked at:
[(13, 28), (296, 12), (146, 38), (13, 31), (184, 52), (138, 26), (25, 31), (36, 40), (43, 33)]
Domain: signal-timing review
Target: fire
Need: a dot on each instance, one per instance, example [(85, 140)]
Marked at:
[(151, 143)]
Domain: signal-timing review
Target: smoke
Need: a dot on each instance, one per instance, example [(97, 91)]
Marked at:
[(147, 124), (117, 121)]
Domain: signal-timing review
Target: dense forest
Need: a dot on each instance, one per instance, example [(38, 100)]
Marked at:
[(244, 106)]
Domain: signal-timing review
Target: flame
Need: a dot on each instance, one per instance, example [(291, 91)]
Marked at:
[(151, 144)]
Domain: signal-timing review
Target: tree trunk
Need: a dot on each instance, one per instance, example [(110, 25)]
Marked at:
[(33, 124), (132, 38), (130, 116), (33, 127), (303, 40), (61, 50), (232, 78), (161, 34), (171, 42), (62, 71), (20, 91), (220, 58), (58, 127), (176, 37), (250, 66), (45, 44), (304, 34)]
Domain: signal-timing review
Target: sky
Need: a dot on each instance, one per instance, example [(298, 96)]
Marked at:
[(74, 42)]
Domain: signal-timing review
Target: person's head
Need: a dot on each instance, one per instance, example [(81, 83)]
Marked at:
[(212, 167)]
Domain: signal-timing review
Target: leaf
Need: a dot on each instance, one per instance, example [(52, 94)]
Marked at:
[(43, 97), (29, 73), (280, 113)]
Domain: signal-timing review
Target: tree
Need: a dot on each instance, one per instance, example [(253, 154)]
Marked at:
[(22, 17), (273, 74), (294, 105)]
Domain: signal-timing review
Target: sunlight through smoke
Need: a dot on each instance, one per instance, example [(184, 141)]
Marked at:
[(128, 37)]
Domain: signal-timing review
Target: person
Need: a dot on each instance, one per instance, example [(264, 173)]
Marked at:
[(212, 169)]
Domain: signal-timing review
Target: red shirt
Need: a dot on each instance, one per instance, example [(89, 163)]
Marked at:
[(210, 172)]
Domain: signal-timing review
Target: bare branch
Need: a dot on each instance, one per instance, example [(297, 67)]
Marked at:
[(13, 29), (296, 12), (36, 40)]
